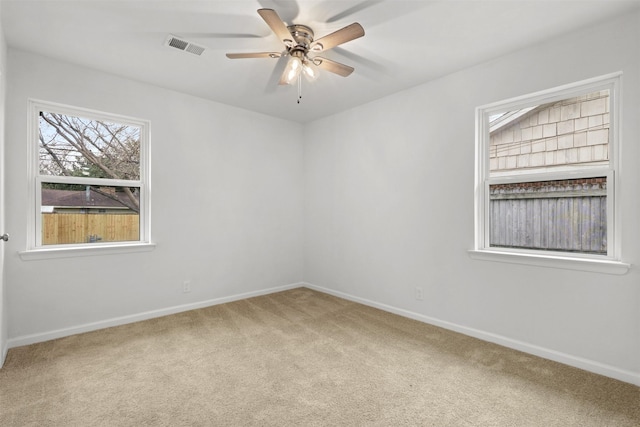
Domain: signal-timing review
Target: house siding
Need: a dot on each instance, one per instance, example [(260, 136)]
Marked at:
[(570, 131)]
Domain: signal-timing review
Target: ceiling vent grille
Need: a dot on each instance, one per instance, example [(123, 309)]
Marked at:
[(178, 43)]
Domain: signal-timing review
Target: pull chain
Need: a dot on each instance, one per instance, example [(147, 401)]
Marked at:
[(299, 88)]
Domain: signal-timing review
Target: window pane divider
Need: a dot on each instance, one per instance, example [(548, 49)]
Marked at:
[(97, 182), (550, 176)]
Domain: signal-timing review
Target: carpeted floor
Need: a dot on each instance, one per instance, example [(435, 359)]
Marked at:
[(299, 358)]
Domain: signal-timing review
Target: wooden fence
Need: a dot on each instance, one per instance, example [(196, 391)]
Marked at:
[(573, 220), (60, 228)]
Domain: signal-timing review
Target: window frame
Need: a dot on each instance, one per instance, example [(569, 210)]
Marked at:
[(34, 248), (609, 263)]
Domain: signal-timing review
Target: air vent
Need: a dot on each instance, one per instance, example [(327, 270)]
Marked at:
[(181, 44)]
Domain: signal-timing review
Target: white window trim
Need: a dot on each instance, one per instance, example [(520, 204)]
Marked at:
[(610, 263), (34, 249)]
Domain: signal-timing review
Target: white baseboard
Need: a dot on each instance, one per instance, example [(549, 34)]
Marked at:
[(117, 321), (567, 359)]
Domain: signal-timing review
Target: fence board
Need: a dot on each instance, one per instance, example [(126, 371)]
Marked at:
[(60, 228), (563, 224)]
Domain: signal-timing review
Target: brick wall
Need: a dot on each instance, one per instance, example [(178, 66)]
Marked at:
[(571, 131)]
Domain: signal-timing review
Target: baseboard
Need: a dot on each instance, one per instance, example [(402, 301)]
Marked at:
[(117, 321), (567, 359)]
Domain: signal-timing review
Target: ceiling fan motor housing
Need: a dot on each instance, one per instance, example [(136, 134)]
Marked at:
[(302, 35)]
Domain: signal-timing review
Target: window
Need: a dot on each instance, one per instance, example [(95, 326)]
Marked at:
[(90, 178), (547, 174)]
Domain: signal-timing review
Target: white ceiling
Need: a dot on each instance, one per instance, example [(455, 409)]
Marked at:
[(406, 43)]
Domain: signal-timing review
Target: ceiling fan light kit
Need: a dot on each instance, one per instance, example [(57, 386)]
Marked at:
[(299, 43), (292, 70)]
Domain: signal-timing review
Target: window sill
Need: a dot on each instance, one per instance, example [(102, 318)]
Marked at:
[(76, 251), (581, 264)]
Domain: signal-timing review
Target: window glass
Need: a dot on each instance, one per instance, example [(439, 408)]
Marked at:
[(74, 146), (74, 213), (562, 215), (568, 132)]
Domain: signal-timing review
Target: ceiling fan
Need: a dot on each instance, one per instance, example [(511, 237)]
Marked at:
[(301, 47)]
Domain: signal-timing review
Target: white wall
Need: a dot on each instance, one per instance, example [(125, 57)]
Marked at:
[(226, 206), (390, 199)]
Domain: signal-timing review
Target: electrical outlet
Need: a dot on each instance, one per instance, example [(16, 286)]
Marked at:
[(419, 294), (186, 286)]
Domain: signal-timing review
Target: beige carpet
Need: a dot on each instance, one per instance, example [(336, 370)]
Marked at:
[(298, 358)]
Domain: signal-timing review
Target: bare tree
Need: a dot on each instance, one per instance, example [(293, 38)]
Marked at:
[(74, 146)]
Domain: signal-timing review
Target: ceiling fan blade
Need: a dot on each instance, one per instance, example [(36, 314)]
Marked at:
[(287, 9), (276, 73), (353, 9), (254, 55), (221, 35), (277, 25), (333, 66), (346, 34), (373, 12), (377, 65)]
